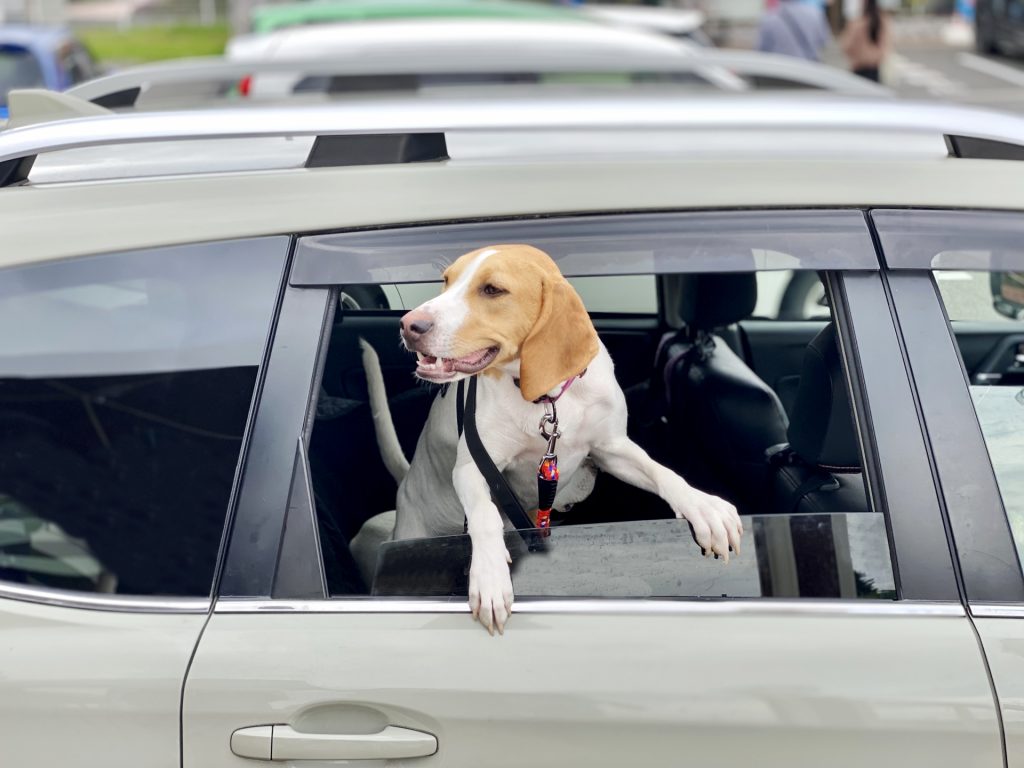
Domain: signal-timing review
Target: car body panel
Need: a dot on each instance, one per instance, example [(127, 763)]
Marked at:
[(1002, 634), (718, 685), (98, 686), (149, 212)]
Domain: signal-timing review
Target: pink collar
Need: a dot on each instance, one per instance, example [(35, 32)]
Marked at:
[(565, 386)]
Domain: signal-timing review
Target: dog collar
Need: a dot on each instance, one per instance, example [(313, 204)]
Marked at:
[(565, 386)]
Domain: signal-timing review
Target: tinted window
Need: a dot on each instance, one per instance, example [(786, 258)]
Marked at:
[(124, 395)]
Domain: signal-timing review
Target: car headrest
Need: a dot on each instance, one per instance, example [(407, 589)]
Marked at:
[(714, 299), (821, 425)]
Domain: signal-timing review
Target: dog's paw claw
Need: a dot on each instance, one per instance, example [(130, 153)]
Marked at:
[(490, 595)]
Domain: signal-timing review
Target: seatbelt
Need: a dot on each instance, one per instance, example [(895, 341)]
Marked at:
[(465, 415), (812, 484)]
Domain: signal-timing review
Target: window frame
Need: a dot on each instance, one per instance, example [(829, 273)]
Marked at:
[(921, 557), (979, 526)]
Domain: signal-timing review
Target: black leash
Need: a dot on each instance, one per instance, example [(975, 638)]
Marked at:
[(465, 415)]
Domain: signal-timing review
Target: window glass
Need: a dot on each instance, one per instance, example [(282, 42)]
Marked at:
[(737, 413), (986, 310), (124, 394), (623, 294), (18, 69), (790, 295)]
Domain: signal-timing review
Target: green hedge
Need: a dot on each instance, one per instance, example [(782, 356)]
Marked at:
[(138, 44)]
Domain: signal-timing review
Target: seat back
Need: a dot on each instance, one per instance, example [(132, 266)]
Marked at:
[(722, 417)]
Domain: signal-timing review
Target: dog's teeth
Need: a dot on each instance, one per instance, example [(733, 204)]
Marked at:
[(419, 356)]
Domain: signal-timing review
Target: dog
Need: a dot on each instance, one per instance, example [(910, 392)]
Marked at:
[(507, 315)]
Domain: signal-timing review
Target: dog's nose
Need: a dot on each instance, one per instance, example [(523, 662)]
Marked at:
[(416, 324)]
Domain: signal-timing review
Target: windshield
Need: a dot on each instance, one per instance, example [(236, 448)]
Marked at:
[(18, 69)]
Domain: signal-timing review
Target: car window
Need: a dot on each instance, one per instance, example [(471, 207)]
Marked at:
[(125, 385), (18, 69), (790, 295), (812, 528), (986, 310), (623, 294)]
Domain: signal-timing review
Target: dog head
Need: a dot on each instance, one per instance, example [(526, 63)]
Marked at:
[(502, 304)]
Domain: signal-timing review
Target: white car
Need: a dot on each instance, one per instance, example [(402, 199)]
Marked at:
[(187, 457)]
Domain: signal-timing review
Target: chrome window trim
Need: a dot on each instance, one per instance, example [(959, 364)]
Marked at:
[(997, 610), (101, 602), (619, 607)]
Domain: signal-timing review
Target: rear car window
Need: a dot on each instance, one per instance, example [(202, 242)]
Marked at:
[(125, 387), (19, 68)]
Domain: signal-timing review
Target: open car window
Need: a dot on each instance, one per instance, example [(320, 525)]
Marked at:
[(669, 295)]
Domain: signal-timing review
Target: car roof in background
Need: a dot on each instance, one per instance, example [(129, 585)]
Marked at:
[(672, 21), (33, 35), (480, 36), (204, 82), (704, 170), (269, 18)]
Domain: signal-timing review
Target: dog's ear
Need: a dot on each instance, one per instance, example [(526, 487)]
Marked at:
[(561, 343)]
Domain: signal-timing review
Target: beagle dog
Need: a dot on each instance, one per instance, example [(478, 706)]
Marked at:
[(508, 316)]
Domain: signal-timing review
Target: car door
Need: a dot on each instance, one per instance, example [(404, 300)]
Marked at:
[(953, 276), (125, 386), (836, 637)]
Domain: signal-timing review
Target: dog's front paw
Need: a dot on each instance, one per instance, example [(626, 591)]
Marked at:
[(490, 589), (716, 523)]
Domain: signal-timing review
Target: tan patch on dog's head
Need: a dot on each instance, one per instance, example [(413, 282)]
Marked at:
[(518, 300)]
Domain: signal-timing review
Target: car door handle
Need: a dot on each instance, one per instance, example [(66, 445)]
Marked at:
[(282, 742)]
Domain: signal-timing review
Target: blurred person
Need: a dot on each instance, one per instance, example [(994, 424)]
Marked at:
[(866, 40), (795, 28)]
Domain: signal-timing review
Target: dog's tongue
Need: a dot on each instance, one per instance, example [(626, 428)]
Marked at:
[(449, 364)]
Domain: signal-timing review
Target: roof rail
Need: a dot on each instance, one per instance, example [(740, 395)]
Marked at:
[(626, 111)]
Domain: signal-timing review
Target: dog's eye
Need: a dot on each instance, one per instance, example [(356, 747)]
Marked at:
[(492, 290)]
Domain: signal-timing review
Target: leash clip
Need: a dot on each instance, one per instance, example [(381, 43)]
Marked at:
[(555, 433)]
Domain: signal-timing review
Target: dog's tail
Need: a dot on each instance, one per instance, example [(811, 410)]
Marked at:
[(387, 437)]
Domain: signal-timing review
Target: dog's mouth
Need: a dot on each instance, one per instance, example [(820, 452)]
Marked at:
[(439, 369)]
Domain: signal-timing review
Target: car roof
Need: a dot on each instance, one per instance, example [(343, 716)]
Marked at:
[(703, 170), (672, 21), (206, 81), (481, 37), (33, 35), (272, 17)]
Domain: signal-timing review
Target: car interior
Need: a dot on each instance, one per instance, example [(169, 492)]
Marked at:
[(750, 407)]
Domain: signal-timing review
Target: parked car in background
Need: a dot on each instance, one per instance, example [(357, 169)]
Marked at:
[(269, 18), (999, 26), (187, 455), (426, 69), (522, 44), (41, 57)]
